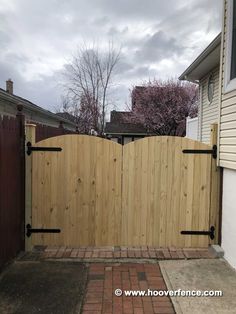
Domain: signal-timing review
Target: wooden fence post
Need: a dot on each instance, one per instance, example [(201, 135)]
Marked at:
[(215, 188), (29, 137), (21, 121)]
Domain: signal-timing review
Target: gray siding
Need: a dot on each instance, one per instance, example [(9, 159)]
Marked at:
[(208, 112)]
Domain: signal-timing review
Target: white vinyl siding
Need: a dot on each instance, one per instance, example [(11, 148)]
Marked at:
[(208, 112), (227, 133), (192, 128)]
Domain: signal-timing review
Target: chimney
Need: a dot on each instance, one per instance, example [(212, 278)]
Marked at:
[(9, 86), (112, 116)]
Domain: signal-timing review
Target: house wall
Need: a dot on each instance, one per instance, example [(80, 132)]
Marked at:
[(227, 152), (227, 114), (208, 112), (229, 216)]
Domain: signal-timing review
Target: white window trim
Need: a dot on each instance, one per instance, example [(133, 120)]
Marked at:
[(229, 84), (208, 79)]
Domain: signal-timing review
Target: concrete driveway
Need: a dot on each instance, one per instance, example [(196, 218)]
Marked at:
[(42, 287), (211, 274)]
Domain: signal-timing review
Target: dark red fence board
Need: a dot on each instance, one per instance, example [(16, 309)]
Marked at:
[(11, 188), (44, 131)]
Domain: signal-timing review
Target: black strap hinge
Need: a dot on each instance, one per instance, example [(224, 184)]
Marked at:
[(212, 151), (30, 230), (210, 233), (31, 149)]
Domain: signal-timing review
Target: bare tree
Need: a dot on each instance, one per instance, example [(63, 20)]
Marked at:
[(88, 77)]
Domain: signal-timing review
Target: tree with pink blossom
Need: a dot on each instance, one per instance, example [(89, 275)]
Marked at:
[(162, 106)]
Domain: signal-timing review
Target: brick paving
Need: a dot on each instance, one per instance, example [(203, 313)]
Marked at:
[(103, 279), (117, 252), (120, 267), (125, 268)]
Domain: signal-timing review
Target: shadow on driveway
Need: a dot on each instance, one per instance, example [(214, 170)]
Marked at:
[(42, 287)]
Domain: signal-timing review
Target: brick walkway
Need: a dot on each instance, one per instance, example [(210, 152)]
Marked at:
[(144, 252), (103, 279), (125, 268)]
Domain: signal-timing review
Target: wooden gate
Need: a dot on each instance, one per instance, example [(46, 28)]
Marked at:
[(77, 190), (144, 193)]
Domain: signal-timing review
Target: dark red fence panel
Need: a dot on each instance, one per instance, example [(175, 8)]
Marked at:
[(12, 182), (43, 132), (11, 187)]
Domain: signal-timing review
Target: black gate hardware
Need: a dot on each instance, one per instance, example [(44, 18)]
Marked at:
[(31, 149), (210, 233), (212, 151), (31, 230)]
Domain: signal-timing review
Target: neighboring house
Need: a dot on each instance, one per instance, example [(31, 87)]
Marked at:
[(121, 131), (67, 116), (125, 126), (192, 128), (33, 113), (205, 71), (219, 62)]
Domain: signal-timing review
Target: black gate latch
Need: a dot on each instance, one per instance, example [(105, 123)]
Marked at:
[(31, 230), (212, 151), (210, 233), (31, 149)]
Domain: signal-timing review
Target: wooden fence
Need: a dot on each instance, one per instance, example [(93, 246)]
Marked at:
[(144, 193), (11, 187), (12, 182), (45, 131)]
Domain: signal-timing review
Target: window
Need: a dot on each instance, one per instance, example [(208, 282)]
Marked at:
[(230, 51), (210, 88), (233, 52)]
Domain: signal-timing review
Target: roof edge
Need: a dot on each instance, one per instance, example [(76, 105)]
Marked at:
[(127, 133), (29, 105), (211, 47)]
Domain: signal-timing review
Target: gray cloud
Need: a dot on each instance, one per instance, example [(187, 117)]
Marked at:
[(44, 91), (137, 10), (101, 21), (158, 39), (157, 47)]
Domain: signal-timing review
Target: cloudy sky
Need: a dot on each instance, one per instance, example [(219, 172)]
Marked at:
[(158, 38)]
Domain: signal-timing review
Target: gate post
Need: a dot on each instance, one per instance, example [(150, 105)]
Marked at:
[(215, 189), (29, 137), (21, 123)]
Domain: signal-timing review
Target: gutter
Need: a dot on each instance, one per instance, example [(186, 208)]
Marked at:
[(133, 134)]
